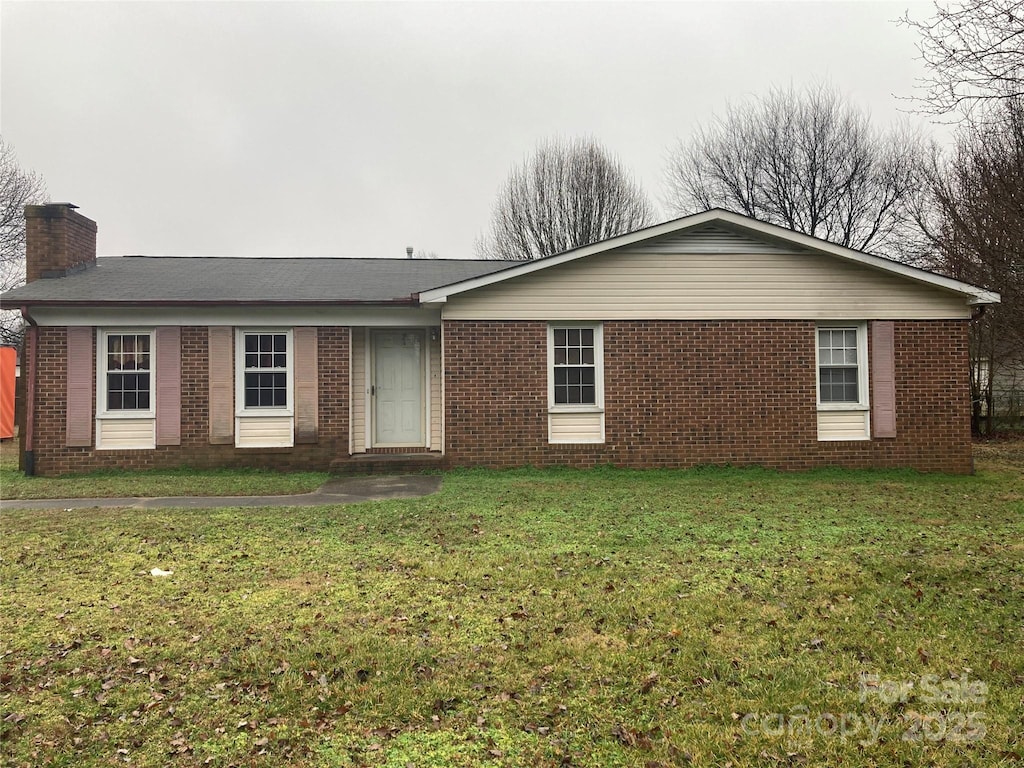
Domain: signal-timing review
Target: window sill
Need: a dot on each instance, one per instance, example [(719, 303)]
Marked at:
[(271, 414), (127, 415), (575, 409), (843, 407)]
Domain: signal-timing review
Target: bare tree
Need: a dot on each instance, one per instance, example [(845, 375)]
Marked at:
[(808, 160), (567, 194), (18, 188), (972, 219), (974, 51)]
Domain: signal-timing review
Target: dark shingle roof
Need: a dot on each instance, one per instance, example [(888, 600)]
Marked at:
[(143, 279)]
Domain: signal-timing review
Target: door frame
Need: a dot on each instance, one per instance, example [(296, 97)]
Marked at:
[(371, 387)]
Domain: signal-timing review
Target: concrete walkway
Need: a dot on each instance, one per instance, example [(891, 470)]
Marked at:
[(340, 490)]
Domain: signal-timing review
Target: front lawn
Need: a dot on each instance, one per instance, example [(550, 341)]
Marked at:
[(558, 618), (182, 481)]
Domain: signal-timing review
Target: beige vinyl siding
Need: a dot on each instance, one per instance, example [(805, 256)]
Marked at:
[(843, 425), (358, 389), (576, 427), (264, 432), (715, 239), (120, 434), (434, 428), (641, 284)]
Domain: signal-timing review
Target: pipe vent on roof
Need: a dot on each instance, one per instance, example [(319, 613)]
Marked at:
[(408, 251)]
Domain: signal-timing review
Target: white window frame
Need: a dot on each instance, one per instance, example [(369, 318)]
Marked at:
[(102, 411), (240, 408), (598, 405), (863, 403)]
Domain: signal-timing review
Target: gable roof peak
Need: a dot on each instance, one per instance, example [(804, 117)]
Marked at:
[(713, 216)]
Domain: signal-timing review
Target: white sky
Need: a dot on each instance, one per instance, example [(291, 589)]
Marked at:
[(355, 129)]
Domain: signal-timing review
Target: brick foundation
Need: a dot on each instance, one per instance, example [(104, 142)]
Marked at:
[(680, 394)]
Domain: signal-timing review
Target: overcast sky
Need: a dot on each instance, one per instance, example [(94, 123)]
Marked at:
[(355, 129)]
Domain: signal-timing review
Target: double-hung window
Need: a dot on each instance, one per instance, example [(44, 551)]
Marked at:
[(575, 383), (839, 363), (125, 389), (266, 369), (575, 367), (842, 356), (126, 379), (129, 370), (264, 399)]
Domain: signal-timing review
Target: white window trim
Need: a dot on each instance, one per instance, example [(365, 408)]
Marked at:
[(598, 406), (864, 403), (101, 375), (240, 407)]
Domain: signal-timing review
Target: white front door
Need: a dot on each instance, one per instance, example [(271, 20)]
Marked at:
[(398, 412)]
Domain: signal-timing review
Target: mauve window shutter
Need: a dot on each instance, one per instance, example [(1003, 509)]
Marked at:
[(168, 385), (79, 382), (306, 390), (222, 403), (883, 378)]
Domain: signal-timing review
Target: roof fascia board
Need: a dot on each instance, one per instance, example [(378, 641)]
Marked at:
[(976, 295), (203, 304), (239, 315)]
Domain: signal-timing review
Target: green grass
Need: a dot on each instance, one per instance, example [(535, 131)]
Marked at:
[(182, 481), (556, 618)]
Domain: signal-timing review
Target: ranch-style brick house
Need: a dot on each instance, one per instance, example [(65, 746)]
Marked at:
[(710, 339)]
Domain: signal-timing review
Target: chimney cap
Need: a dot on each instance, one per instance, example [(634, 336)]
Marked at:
[(56, 211), (408, 251)]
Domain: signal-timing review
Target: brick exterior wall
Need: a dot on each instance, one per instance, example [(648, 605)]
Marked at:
[(685, 393), (677, 394), (57, 241), (52, 457)]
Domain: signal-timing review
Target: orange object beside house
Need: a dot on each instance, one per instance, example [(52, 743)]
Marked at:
[(8, 363)]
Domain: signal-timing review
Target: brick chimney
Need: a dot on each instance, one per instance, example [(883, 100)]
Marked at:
[(58, 241)]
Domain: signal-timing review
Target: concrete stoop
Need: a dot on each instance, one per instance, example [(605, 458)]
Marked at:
[(387, 464)]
